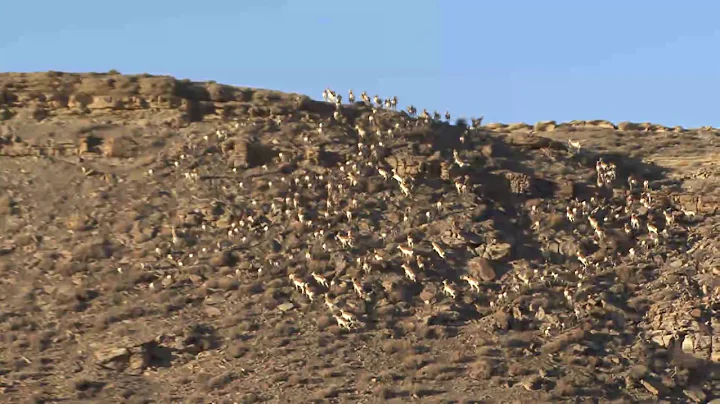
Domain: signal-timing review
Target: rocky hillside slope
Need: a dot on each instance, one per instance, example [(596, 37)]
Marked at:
[(164, 240)]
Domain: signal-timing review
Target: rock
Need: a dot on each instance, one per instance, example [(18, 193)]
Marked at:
[(121, 146), (442, 318), (427, 295), (519, 126), (104, 102), (531, 383), (498, 251), (104, 355), (223, 259), (688, 344), (503, 320), (628, 126), (696, 394), (212, 311), (676, 264), (527, 140), (494, 126), (601, 124), (285, 306), (545, 126), (481, 268), (662, 340), (488, 151)]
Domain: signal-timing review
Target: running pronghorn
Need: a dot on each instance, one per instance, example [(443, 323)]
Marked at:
[(409, 273), (298, 283), (405, 251), (436, 247), (448, 289), (474, 284), (358, 288), (319, 279), (458, 160)]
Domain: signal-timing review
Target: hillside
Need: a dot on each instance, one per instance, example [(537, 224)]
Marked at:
[(164, 240)]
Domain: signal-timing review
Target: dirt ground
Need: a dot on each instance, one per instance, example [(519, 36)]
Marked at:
[(163, 241)]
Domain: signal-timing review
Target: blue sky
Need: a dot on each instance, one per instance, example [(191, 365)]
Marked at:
[(511, 61)]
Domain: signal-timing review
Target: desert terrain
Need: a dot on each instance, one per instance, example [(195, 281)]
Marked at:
[(170, 241)]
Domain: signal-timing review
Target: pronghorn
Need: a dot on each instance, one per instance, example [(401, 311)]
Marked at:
[(358, 288), (351, 97), (342, 323), (438, 249), (474, 284), (448, 289), (405, 189), (574, 144), (405, 251), (409, 273), (330, 304), (383, 173), (458, 160), (420, 262), (345, 241), (612, 171), (410, 241), (297, 282), (570, 214), (397, 177), (352, 178), (652, 229), (669, 218), (361, 132), (600, 233), (634, 221), (309, 293), (632, 182), (377, 101), (365, 97), (583, 260), (600, 165), (477, 122), (330, 96), (459, 186), (447, 115), (348, 316), (393, 102), (319, 279)]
